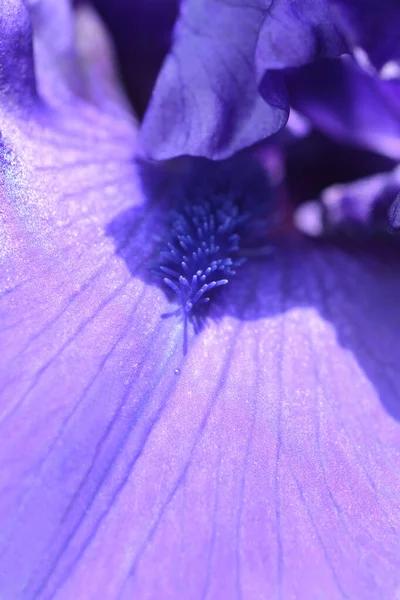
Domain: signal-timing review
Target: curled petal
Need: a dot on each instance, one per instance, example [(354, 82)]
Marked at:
[(296, 33), (349, 104), (206, 101)]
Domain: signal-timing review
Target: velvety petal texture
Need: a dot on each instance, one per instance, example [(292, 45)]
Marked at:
[(264, 464), (149, 475), (206, 101), (296, 33)]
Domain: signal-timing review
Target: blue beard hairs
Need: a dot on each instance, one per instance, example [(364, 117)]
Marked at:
[(206, 242)]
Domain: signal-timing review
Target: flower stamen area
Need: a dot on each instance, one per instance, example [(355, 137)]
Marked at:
[(202, 254)]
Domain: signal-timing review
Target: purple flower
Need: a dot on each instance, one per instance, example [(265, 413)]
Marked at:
[(265, 462)]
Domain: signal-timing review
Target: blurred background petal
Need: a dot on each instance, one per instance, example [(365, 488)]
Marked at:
[(361, 206), (348, 104), (371, 26)]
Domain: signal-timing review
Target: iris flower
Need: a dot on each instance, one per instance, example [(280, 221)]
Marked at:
[(264, 463)]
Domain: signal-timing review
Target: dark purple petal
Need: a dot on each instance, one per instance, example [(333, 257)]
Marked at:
[(349, 104), (295, 33), (206, 101), (372, 26)]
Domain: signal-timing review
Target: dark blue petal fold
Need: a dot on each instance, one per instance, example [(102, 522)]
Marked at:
[(349, 104), (296, 33)]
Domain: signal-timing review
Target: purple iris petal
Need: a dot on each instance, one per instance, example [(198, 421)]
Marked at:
[(142, 33), (362, 208), (264, 464), (206, 101), (361, 204), (296, 33), (354, 187), (56, 61), (137, 480), (17, 84), (349, 104)]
